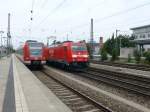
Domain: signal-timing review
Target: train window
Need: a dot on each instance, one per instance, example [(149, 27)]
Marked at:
[(36, 52), (35, 44), (79, 48)]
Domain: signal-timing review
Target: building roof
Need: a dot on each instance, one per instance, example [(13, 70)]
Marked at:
[(139, 27)]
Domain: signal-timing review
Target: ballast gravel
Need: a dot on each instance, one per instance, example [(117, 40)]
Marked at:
[(110, 102)]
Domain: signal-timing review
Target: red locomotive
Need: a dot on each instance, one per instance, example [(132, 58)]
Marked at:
[(69, 54), (32, 53)]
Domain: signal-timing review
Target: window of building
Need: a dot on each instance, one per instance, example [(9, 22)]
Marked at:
[(149, 35), (143, 35)]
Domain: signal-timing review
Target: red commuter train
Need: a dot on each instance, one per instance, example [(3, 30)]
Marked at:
[(69, 54), (32, 53)]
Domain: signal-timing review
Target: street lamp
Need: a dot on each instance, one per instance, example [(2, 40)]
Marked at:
[(1, 32)]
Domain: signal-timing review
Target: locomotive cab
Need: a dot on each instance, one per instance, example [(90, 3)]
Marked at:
[(34, 53), (80, 55), (68, 55)]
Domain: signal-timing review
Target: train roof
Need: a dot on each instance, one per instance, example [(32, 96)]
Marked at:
[(66, 43), (29, 41)]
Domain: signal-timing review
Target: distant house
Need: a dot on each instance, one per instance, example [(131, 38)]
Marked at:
[(142, 37)]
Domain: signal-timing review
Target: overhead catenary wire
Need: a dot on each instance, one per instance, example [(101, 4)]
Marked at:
[(123, 12), (131, 24), (96, 20), (51, 12), (33, 1), (112, 15), (31, 17), (36, 14), (44, 3)]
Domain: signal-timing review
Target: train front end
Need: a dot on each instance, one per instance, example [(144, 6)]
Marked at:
[(80, 56), (34, 53)]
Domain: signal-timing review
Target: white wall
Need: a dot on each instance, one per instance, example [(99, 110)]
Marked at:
[(124, 52)]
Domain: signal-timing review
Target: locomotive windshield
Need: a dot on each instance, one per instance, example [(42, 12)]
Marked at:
[(35, 52), (79, 48), (35, 44), (35, 48)]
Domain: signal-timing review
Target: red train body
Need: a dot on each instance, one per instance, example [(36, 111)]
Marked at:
[(69, 54), (33, 53)]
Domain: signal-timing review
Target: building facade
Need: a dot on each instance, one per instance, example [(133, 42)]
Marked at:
[(142, 37), (125, 52)]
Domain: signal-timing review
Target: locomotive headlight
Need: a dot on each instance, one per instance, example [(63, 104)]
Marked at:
[(85, 56), (27, 58), (74, 56)]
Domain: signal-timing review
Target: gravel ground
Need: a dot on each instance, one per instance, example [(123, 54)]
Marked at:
[(110, 102), (145, 101)]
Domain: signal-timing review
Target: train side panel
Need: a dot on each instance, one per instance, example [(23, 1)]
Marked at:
[(70, 54)]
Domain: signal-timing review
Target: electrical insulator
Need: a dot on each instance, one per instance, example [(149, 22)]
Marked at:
[(31, 19), (31, 11)]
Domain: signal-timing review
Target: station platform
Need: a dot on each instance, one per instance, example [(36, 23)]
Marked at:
[(135, 72), (21, 91)]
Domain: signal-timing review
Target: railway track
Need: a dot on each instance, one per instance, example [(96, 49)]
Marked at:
[(131, 66), (78, 102), (136, 84)]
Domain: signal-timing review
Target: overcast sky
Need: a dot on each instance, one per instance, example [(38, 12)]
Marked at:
[(61, 17)]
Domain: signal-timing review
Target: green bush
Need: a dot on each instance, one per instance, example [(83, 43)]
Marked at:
[(145, 53), (137, 56), (147, 56), (114, 55), (129, 57), (103, 55)]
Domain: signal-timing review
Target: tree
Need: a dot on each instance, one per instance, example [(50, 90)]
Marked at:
[(114, 43), (103, 54), (137, 56), (109, 44), (89, 50), (129, 57), (147, 56), (126, 41), (114, 55)]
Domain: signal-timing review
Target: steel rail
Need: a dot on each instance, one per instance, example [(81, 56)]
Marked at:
[(97, 104), (131, 66), (119, 81), (141, 78)]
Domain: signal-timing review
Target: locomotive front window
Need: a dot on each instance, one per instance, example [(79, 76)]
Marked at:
[(35, 52), (35, 44), (79, 48)]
